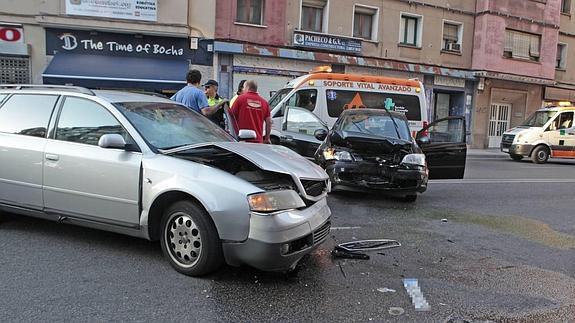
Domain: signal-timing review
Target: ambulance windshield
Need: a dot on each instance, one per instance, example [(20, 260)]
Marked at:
[(538, 119), (278, 96)]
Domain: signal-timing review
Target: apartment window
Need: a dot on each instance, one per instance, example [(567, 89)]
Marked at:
[(410, 30), (566, 6), (561, 56), (250, 12), (312, 15), (522, 45), (365, 22), (452, 37)]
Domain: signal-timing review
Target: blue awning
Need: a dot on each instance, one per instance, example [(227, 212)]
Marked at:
[(95, 71)]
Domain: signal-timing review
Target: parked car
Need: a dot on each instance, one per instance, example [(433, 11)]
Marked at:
[(548, 132), (373, 150), (151, 168)]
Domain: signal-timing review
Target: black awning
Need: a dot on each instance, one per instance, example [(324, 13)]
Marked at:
[(96, 71)]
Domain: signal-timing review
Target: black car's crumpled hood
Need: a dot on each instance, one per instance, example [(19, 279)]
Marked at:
[(365, 143)]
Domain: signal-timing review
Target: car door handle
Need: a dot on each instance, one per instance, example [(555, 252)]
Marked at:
[(52, 157)]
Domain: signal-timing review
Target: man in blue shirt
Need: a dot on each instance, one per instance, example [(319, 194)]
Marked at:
[(194, 98)]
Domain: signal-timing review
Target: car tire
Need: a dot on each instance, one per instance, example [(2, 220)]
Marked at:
[(540, 155), (516, 157), (190, 240), (410, 198)]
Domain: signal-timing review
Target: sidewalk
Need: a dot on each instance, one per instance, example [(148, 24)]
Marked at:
[(486, 153)]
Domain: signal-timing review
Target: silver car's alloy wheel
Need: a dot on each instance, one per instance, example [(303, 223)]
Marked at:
[(183, 239)]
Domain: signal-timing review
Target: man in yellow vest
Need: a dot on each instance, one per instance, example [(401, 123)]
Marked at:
[(215, 100)]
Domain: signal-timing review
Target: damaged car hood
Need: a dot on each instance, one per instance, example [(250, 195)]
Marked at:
[(271, 158), (275, 158)]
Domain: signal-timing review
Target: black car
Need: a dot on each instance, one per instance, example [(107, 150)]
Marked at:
[(373, 150)]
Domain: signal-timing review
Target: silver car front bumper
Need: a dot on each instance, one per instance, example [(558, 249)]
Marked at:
[(277, 242)]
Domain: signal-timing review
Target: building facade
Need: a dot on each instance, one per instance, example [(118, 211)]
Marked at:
[(514, 58), (493, 61), (145, 45), (274, 41)]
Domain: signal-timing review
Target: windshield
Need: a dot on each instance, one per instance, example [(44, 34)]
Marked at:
[(341, 100), (279, 96), (168, 125), (376, 125), (538, 119)]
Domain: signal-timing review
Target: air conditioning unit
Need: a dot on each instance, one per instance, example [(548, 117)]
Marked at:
[(454, 47)]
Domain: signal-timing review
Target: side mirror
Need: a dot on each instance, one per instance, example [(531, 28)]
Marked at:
[(112, 140), (423, 140), (247, 134), (320, 134)]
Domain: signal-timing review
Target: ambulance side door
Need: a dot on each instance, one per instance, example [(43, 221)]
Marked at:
[(561, 135), (298, 129)]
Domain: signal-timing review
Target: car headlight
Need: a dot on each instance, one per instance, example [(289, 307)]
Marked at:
[(414, 159), (331, 154), (518, 137), (275, 201)]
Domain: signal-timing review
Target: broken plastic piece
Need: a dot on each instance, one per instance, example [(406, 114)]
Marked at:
[(369, 245), (396, 311), (386, 290), (342, 253)]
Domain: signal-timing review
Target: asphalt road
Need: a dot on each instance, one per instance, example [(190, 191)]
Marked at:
[(506, 252)]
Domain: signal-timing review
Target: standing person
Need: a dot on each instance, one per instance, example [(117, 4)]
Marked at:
[(192, 97), (215, 100), (251, 111), (238, 93)]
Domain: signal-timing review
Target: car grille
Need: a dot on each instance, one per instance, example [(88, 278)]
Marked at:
[(314, 188), (384, 159), (320, 234), (507, 140)]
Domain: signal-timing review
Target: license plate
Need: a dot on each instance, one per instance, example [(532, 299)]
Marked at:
[(505, 150)]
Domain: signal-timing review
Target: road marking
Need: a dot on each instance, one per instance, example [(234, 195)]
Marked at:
[(501, 181), (344, 228)]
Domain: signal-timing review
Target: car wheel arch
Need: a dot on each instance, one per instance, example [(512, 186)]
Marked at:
[(161, 203), (539, 145)]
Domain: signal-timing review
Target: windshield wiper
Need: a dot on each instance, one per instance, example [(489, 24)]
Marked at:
[(394, 124), (174, 147)]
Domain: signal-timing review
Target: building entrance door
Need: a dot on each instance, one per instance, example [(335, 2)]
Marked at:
[(499, 118)]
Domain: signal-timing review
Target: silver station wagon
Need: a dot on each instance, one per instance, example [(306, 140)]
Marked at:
[(148, 167)]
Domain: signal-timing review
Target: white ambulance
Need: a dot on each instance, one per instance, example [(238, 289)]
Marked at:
[(328, 94), (549, 132)]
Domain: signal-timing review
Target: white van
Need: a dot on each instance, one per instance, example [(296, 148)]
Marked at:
[(327, 95), (549, 132)]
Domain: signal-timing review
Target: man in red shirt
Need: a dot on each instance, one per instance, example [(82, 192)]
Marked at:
[(251, 111)]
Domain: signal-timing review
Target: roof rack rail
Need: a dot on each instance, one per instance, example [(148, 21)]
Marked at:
[(79, 89)]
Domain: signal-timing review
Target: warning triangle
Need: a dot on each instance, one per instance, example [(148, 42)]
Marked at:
[(356, 103)]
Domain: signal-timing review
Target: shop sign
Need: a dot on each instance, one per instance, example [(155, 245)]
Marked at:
[(326, 42), (11, 34), (448, 81), (120, 9), (101, 43)]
